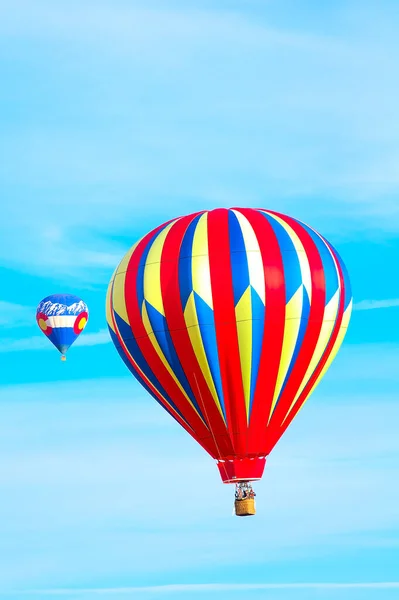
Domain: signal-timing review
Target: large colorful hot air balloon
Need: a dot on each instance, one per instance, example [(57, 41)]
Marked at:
[(229, 318), (62, 318)]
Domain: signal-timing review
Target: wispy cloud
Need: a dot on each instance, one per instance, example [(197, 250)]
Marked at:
[(133, 159), (38, 342), (183, 24), (14, 315), (210, 587), (94, 339), (375, 304), (73, 457)]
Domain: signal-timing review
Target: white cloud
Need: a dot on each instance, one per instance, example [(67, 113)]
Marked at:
[(15, 315), (99, 24), (94, 339), (95, 464), (40, 342), (211, 587), (375, 304), (167, 104), (35, 342)]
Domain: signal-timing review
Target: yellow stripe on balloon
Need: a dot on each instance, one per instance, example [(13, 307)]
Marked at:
[(329, 320), (293, 313), (116, 289), (119, 298), (158, 350), (254, 257), (340, 338), (194, 332), (190, 312), (244, 330), (200, 270), (152, 271), (300, 250), (108, 309)]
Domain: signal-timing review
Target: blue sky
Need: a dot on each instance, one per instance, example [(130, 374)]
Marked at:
[(115, 117)]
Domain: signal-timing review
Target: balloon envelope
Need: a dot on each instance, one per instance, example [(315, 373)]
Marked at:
[(229, 319), (62, 318)]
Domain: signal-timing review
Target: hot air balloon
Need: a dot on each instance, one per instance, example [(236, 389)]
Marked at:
[(62, 318), (229, 318)]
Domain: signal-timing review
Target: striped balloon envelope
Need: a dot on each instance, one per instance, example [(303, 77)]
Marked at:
[(229, 318), (62, 318)]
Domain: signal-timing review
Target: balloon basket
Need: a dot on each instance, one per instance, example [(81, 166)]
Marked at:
[(244, 503), (245, 508), (63, 358)]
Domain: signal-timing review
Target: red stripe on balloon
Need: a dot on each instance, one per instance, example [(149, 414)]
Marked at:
[(226, 327), (305, 392), (312, 333), (174, 314), (273, 331), (148, 351)]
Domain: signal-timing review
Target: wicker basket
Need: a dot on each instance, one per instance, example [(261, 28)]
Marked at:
[(245, 508)]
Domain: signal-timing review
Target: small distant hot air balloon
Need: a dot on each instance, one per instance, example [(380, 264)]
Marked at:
[(62, 318), (229, 318)]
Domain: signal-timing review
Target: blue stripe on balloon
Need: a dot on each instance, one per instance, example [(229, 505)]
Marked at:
[(292, 267), (292, 273), (238, 257), (158, 322), (208, 334), (330, 271), (258, 318), (135, 352), (185, 262), (301, 334), (347, 283), (140, 379)]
